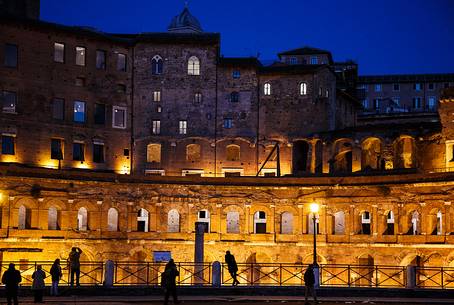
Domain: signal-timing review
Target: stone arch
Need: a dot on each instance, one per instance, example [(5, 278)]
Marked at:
[(339, 223), (365, 218), (342, 160), (233, 152), (28, 202), (173, 221), (143, 220), (156, 65), (257, 268), (310, 223), (414, 222), (112, 220), (301, 157), (404, 152), (366, 264), (53, 219), (24, 218), (82, 219), (371, 154), (390, 222), (309, 259), (193, 65), (193, 152), (259, 220), (287, 223), (412, 259)]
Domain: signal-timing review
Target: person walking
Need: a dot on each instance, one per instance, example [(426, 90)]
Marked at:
[(74, 264), (11, 279), (56, 274), (38, 284), (169, 282), (232, 267), (309, 282)]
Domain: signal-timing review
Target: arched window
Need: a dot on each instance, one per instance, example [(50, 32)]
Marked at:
[(267, 89), (233, 222), (173, 221), (112, 220), (365, 223), (415, 224), (233, 152), (24, 218), (142, 220), (154, 153), (193, 66), (204, 216), (156, 65), (82, 219), (234, 97), (310, 223), (193, 153), (389, 223), (286, 223), (260, 222), (303, 89), (339, 223), (52, 219)]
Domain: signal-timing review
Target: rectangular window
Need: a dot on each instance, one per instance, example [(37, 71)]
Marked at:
[(159, 109), (119, 117), (121, 62), (303, 88), (327, 93), (365, 104), (228, 123), (79, 111), (80, 82), (10, 55), (78, 152), (100, 114), (100, 59), (236, 74), (431, 86), (8, 145), (98, 152), (431, 102), (156, 128), (59, 52), (183, 127), (417, 86), (58, 109), (396, 87), (198, 98), (9, 102), (377, 87), (56, 149), (293, 60), (80, 56), (156, 96), (314, 60), (417, 103)]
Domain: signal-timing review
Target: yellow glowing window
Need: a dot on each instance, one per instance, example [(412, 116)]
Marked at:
[(154, 153)]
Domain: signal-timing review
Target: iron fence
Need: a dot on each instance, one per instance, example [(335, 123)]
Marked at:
[(435, 277)]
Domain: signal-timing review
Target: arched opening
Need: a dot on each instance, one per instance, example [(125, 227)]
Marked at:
[(156, 65), (173, 221), (286, 223), (310, 223), (365, 223), (233, 152), (193, 66), (436, 222), (339, 223), (389, 223), (303, 89), (259, 222), (52, 219), (204, 216), (342, 160), (25, 218), (318, 157), (82, 219), (366, 270), (193, 153), (371, 154), (301, 157), (415, 223), (233, 222), (142, 220), (154, 153), (404, 153), (112, 220)]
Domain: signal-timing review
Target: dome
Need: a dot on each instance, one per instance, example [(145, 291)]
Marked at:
[(185, 23)]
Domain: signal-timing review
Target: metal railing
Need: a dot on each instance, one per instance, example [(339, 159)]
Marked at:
[(435, 277)]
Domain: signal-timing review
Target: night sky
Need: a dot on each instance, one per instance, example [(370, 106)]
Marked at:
[(383, 36)]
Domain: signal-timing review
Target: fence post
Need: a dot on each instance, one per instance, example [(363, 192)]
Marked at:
[(109, 274), (317, 276), (216, 274), (411, 277)]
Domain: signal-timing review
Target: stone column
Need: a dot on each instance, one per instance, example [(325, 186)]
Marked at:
[(447, 218), (109, 274), (375, 220), (247, 216), (216, 274), (300, 228), (198, 252), (158, 211), (273, 219)]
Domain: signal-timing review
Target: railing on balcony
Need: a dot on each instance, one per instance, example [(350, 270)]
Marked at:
[(435, 277)]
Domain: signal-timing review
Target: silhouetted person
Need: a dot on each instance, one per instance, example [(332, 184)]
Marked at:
[(38, 285), (232, 267), (56, 274), (74, 261), (309, 282), (11, 278), (169, 282)]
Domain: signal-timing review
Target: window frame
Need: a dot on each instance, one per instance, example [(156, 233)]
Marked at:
[(157, 65), (267, 89), (378, 88), (234, 97), (82, 56), (236, 74), (114, 110), (183, 127), (193, 65), (156, 127), (6, 62), (303, 88), (198, 97), (56, 155), (228, 123), (63, 59), (63, 102), (124, 67), (394, 87), (6, 109), (104, 63), (11, 148), (96, 115), (101, 158), (84, 112), (81, 151), (157, 95)]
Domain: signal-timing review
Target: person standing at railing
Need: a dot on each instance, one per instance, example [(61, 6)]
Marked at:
[(38, 284), (11, 278), (56, 274), (168, 282), (309, 283), (232, 267), (74, 264)]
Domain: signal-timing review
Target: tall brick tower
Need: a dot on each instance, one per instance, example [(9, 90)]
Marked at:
[(20, 8)]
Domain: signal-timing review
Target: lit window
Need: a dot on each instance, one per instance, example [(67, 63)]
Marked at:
[(267, 89), (232, 152), (183, 127), (293, 60), (156, 96), (314, 60), (417, 103), (159, 109), (377, 87), (236, 74), (154, 153), (8, 145), (396, 87), (78, 151), (417, 86), (234, 97), (58, 109), (365, 104), (431, 102), (303, 88), (56, 149), (119, 117), (9, 101), (80, 56), (100, 114), (156, 128), (98, 152), (10, 55), (193, 66), (59, 52), (431, 86), (79, 111), (327, 93), (198, 98), (100, 59), (228, 123), (156, 65), (121, 62)]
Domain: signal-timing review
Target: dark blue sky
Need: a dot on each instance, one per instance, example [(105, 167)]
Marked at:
[(383, 36)]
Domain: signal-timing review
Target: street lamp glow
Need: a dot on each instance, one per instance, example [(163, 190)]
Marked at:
[(314, 207)]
